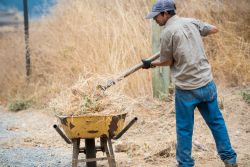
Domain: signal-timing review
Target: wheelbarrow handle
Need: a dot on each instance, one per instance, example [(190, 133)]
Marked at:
[(67, 140), (125, 129)]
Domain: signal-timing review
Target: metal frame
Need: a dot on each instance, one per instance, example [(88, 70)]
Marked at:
[(90, 149), (106, 146)]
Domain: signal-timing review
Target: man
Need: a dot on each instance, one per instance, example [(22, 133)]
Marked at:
[(182, 49)]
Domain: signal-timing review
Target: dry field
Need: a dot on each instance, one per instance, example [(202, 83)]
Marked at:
[(103, 37), (83, 39)]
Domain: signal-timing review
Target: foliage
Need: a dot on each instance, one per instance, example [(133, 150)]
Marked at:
[(246, 95), (19, 104), (90, 104)]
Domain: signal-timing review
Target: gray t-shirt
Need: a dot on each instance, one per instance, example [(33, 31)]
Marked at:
[(181, 42)]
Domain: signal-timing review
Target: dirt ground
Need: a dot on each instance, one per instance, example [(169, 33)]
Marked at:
[(27, 138)]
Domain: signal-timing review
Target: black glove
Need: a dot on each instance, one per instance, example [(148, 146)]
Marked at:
[(147, 64)]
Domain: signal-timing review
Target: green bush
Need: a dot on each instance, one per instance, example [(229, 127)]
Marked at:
[(246, 96), (19, 104)]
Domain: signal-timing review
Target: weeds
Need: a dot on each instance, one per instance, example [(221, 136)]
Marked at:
[(246, 95), (90, 104), (19, 104)]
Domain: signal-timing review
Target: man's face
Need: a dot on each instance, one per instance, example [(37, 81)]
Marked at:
[(161, 19)]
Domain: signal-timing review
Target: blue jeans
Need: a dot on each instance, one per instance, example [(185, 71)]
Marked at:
[(205, 99)]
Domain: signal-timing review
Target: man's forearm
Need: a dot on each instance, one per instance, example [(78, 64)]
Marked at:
[(165, 63), (213, 30)]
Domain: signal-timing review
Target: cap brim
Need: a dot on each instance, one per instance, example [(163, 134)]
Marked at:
[(152, 15)]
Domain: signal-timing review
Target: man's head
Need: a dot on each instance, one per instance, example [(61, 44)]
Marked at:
[(161, 11)]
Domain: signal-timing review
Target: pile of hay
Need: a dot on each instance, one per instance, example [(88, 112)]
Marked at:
[(85, 98)]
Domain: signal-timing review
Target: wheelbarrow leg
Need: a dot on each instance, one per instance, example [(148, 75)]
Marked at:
[(76, 147), (107, 152), (111, 153)]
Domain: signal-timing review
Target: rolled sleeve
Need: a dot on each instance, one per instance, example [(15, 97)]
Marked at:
[(203, 27), (166, 47)]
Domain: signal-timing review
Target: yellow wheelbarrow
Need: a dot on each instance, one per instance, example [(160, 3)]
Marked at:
[(105, 127)]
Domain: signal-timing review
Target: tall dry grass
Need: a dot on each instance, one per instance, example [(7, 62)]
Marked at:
[(229, 50), (107, 37)]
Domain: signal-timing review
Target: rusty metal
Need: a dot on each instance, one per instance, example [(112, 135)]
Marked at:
[(125, 129), (110, 127), (92, 126), (113, 124)]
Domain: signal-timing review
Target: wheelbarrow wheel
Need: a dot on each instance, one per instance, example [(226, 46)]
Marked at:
[(90, 151)]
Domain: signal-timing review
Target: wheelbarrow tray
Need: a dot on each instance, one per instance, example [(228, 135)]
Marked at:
[(92, 126)]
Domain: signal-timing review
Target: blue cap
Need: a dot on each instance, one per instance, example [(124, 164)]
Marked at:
[(161, 6)]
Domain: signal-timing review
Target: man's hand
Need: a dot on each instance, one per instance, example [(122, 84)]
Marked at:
[(147, 64)]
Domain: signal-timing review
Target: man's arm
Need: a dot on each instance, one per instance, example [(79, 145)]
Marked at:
[(204, 28), (164, 63), (213, 30)]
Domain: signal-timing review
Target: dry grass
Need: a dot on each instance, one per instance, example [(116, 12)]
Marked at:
[(106, 37), (85, 98)]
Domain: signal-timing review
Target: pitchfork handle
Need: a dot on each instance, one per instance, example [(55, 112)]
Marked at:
[(137, 67), (127, 73)]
